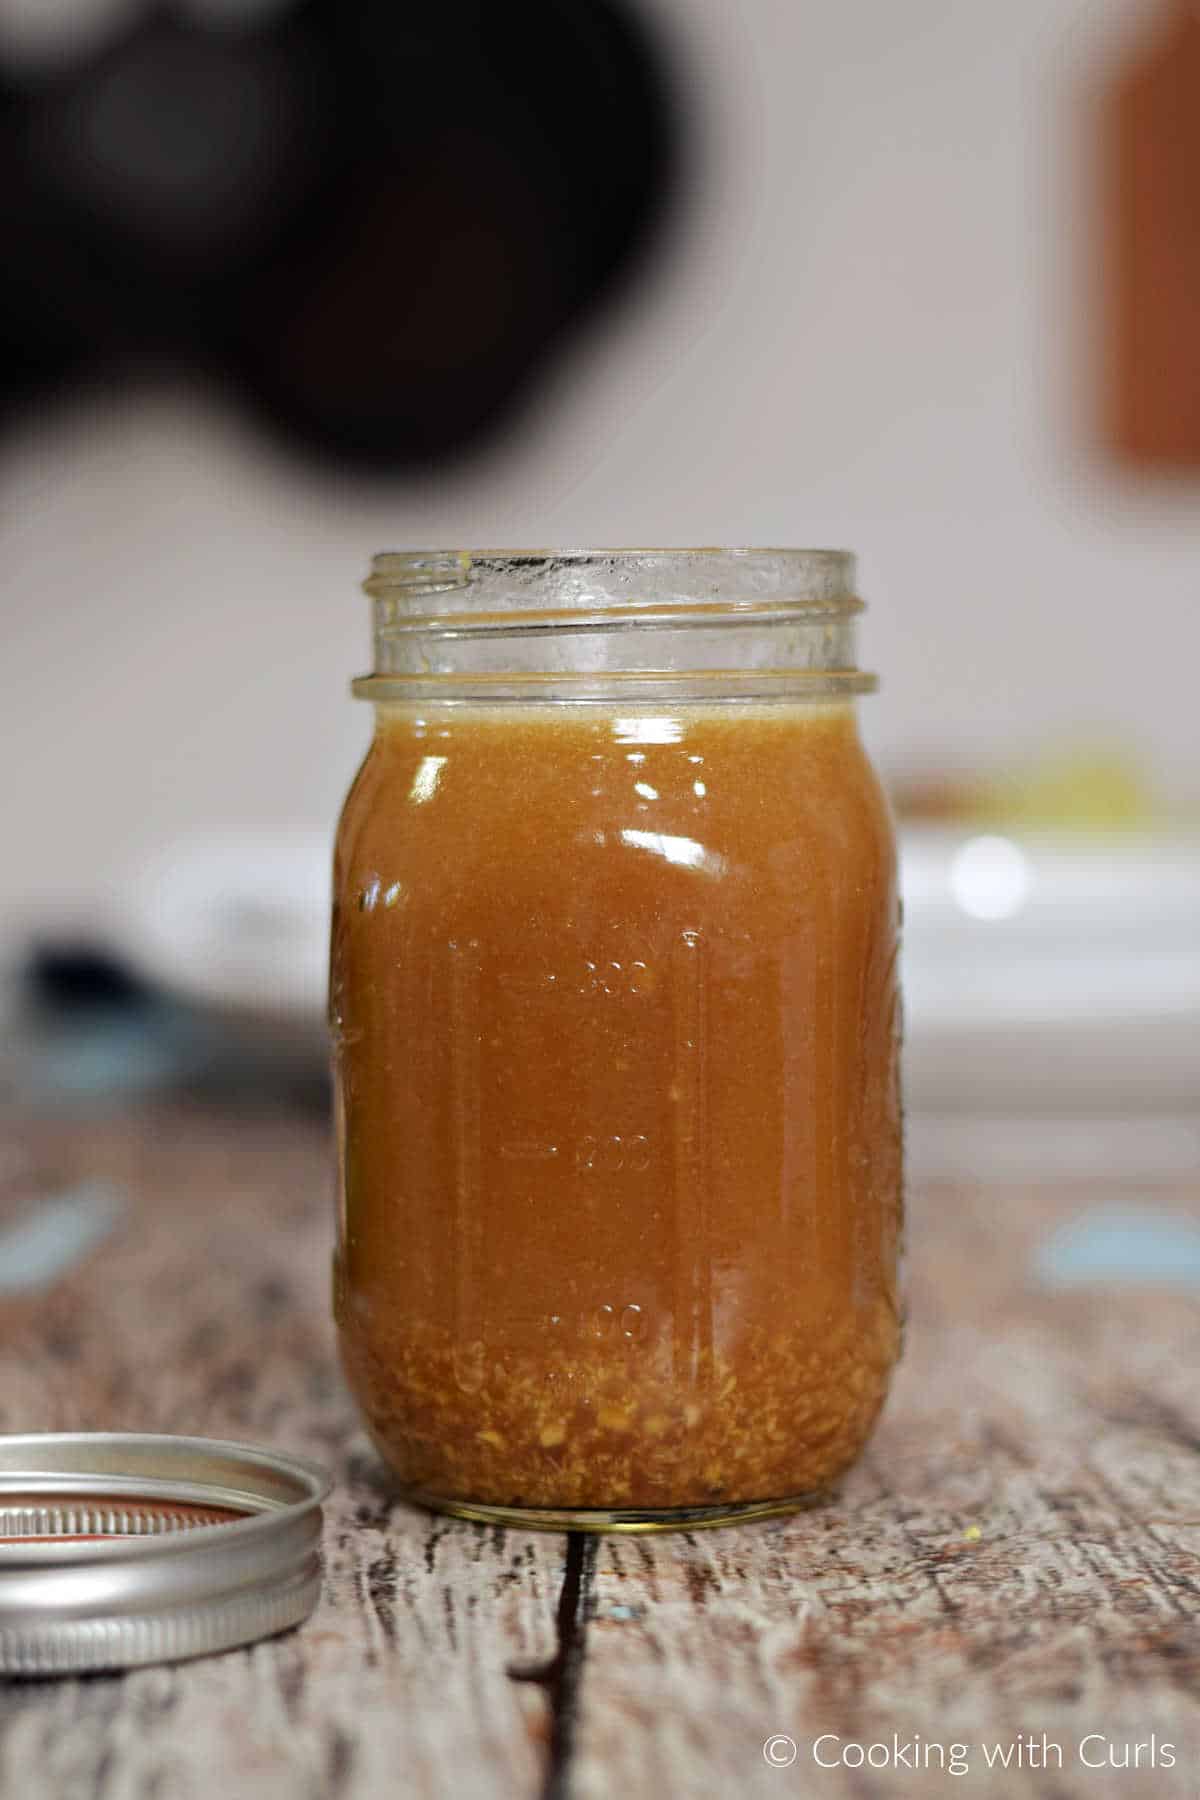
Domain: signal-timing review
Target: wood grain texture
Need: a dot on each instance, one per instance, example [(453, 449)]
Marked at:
[(1020, 1552), (209, 1313)]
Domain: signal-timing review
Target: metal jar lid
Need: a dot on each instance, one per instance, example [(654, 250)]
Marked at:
[(118, 1549)]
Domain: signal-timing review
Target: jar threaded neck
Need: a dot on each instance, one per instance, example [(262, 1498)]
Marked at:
[(579, 619)]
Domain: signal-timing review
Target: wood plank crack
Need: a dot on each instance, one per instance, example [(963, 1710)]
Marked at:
[(560, 1678)]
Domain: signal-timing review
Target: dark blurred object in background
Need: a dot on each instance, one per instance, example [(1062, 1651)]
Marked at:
[(1152, 127), (378, 220), (83, 1030)]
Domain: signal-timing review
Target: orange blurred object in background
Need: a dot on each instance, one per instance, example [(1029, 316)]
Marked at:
[(1151, 124)]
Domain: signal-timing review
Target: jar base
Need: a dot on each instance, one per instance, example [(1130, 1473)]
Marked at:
[(627, 1520)]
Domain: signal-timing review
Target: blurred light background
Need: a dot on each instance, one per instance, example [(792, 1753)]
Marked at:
[(289, 283)]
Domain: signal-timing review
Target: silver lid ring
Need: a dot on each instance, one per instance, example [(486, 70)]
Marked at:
[(118, 1549)]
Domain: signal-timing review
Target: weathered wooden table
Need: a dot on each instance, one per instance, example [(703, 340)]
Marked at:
[(1019, 1554)]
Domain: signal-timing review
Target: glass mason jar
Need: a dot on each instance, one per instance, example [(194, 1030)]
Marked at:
[(615, 1031)]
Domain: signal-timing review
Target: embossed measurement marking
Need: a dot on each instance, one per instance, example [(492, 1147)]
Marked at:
[(627, 1322), (611, 979), (519, 984), (614, 1155), (514, 1143)]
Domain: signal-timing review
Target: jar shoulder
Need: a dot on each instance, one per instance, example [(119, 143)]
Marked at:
[(701, 804)]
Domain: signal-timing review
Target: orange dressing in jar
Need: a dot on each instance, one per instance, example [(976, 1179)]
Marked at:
[(615, 1020)]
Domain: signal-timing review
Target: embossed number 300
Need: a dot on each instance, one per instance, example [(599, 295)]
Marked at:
[(613, 1155)]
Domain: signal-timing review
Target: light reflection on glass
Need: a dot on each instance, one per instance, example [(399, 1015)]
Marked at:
[(648, 731), (645, 790), (683, 851), (425, 780)]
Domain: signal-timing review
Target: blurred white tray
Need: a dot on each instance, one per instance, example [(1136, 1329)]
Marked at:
[(240, 924), (1046, 975), (1040, 975)]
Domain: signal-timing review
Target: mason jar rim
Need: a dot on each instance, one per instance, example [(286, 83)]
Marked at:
[(573, 552), (742, 572)]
